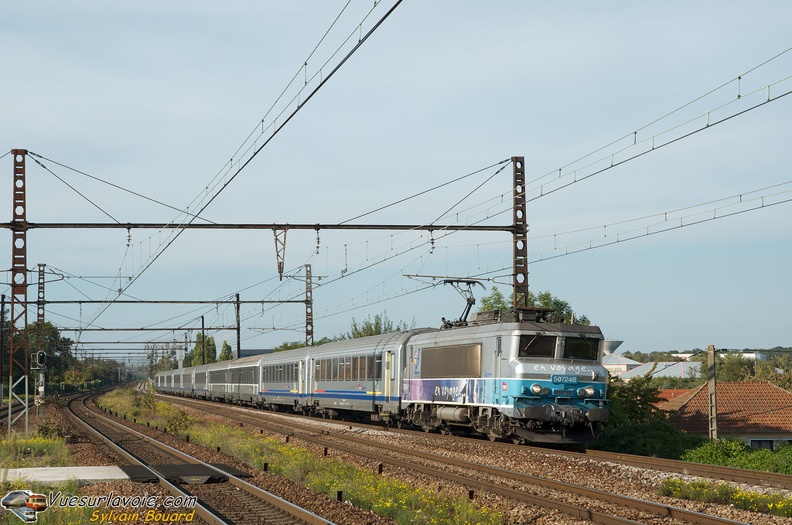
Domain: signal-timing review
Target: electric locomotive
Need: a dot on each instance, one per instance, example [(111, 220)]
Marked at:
[(520, 376)]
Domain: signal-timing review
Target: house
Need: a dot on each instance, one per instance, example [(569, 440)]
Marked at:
[(617, 364), (682, 369), (758, 413)]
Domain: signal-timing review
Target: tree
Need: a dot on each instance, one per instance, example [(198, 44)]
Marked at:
[(204, 352), (225, 352), (58, 349), (496, 301), (380, 325), (289, 345), (734, 367)]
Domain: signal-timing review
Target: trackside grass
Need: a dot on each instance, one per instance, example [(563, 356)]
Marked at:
[(364, 489), (20, 452), (723, 493)]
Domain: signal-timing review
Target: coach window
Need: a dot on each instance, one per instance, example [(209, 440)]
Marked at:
[(378, 367), (354, 369), (334, 369), (348, 372), (362, 368)]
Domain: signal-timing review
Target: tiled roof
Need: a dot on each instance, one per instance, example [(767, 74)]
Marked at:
[(743, 407), (672, 393), (675, 402)]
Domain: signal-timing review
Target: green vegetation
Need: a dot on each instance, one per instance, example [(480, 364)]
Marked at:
[(734, 453), (225, 352), (725, 494), (365, 489), (53, 515), (19, 452), (204, 352)]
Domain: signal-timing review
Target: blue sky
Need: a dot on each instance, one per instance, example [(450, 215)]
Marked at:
[(157, 98)]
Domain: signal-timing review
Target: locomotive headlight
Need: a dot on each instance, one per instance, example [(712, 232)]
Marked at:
[(536, 389), (586, 392)]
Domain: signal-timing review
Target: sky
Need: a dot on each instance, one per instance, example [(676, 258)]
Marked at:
[(655, 138)]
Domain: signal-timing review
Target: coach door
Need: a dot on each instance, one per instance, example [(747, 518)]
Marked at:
[(386, 374), (496, 369), (303, 377)]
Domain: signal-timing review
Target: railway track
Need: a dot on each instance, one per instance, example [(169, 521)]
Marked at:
[(599, 506), (714, 472), (230, 500)]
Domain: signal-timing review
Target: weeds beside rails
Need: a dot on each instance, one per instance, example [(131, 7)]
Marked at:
[(37, 451), (724, 493), (387, 497)]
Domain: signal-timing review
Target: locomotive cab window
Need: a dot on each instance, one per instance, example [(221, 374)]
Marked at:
[(535, 345), (581, 348)]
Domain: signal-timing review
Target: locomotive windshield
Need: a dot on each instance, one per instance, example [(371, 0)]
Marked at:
[(581, 348), (535, 345)]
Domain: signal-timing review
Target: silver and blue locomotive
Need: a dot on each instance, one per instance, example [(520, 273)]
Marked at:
[(518, 376)]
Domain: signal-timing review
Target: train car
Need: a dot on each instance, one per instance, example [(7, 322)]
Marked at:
[(520, 376), (200, 384), (187, 381), (37, 502), (244, 381), (217, 380), (361, 377), (284, 380), (520, 380), (15, 499)]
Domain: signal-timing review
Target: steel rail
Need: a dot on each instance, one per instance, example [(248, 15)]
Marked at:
[(738, 475), (658, 509), (200, 510), (271, 499)]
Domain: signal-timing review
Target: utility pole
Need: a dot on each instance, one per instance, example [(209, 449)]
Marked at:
[(2, 344), (18, 340), (309, 332), (519, 235), (41, 343), (238, 329), (713, 409)]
